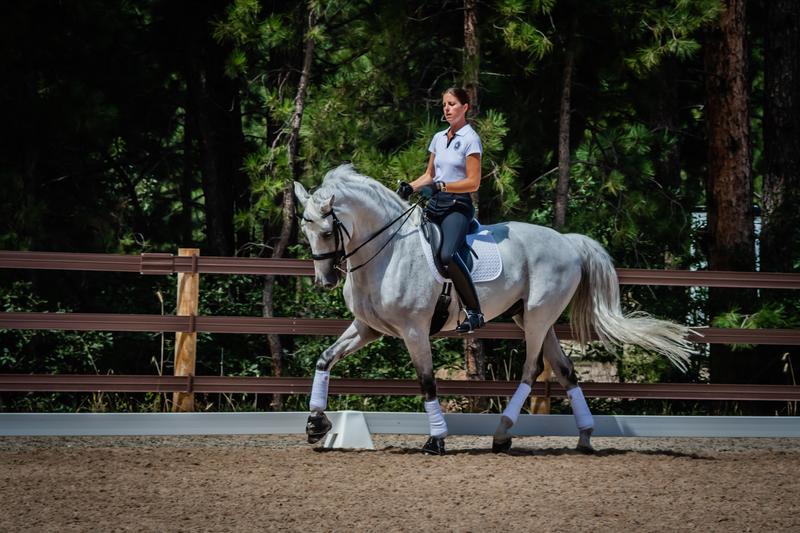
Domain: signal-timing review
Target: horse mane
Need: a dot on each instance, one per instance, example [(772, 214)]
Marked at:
[(347, 183)]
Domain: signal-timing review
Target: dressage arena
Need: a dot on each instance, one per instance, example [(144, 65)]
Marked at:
[(279, 483)]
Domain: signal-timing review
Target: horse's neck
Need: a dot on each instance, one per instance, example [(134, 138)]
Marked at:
[(367, 221)]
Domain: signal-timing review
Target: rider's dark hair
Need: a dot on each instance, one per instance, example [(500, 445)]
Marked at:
[(459, 92)]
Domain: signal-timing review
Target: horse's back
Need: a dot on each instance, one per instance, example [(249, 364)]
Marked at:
[(536, 244), (538, 261)]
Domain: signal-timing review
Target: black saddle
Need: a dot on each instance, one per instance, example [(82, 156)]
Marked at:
[(433, 234)]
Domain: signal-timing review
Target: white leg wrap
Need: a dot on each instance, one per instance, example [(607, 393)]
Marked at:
[(319, 390), (583, 417), (515, 403), (436, 419)]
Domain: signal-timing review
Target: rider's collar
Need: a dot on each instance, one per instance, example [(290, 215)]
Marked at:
[(463, 130)]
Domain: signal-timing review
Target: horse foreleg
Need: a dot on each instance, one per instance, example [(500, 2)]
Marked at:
[(565, 373), (354, 337), (534, 365), (419, 347)]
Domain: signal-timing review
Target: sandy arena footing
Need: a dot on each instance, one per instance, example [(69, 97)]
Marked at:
[(279, 483)]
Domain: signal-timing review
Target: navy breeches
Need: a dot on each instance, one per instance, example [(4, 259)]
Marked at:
[(454, 231)]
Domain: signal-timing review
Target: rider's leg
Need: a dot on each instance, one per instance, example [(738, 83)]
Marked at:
[(565, 373), (354, 337), (454, 231), (534, 365)]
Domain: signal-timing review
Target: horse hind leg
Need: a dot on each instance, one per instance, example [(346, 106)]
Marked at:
[(565, 373), (534, 365)]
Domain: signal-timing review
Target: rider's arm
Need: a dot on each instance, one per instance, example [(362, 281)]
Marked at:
[(426, 178), (473, 180)]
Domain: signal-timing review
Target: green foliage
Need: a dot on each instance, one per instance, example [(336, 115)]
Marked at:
[(106, 151), (670, 30), (521, 31), (500, 164), (771, 315), (38, 351), (642, 367)]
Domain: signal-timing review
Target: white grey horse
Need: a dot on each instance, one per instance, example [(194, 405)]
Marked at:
[(394, 293)]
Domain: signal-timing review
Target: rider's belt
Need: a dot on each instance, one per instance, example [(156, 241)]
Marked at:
[(447, 202)]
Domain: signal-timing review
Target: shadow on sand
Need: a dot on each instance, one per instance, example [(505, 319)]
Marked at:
[(529, 452)]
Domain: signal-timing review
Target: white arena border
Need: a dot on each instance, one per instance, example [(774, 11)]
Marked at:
[(352, 429)]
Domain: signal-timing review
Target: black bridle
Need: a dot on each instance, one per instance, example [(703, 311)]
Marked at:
[(339, 255)]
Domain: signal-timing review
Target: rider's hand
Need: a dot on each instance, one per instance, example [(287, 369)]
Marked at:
[(428, 191), (405, 190)]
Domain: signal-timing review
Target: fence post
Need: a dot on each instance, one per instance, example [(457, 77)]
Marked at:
[(186, 341)]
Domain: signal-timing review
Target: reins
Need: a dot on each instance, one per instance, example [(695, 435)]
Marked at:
[(339, 230)]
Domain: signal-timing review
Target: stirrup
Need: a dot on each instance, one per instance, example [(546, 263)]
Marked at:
[(473, 321)]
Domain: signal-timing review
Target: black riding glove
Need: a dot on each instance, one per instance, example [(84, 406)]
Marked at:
[(405, 190), (429, 191)]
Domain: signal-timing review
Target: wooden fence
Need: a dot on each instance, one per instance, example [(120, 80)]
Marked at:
[(188, 383)]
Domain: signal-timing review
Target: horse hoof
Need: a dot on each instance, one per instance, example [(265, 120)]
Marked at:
[(434, 446), (582, 448), (501, 447), (585, 442), (317, 427)]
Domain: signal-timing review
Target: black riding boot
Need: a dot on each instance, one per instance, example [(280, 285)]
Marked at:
[(462, 281)]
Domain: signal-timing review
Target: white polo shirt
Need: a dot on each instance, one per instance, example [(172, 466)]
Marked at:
[(450, 162)]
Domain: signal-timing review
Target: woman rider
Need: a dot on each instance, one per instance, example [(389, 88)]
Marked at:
[(453, 172)]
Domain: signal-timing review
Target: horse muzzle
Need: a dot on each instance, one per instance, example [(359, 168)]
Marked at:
[(327, 277)]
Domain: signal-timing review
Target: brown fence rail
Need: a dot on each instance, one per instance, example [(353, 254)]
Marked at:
[(160, 264), (320, 326), (163, 264), (385, 387)]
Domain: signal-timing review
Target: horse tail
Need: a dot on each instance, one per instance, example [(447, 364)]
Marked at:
[(596, 305)]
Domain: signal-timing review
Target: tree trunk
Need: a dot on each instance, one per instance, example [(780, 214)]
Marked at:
[(780, 222), (666, 158), (186, 184), (541, 405), (217, 113), (666, 119), (474, 352), (274, 341), (471, 53), (562, 187), (728, 183)]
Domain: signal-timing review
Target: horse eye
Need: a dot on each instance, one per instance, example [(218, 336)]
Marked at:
[(328, 234)]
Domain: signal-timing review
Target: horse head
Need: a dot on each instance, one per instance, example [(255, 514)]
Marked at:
[(324, 232), (367, 209)]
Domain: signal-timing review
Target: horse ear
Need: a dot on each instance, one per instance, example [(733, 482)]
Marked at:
[(326, 206), (301, 193)]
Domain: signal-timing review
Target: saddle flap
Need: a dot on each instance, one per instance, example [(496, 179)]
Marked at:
[(466, 253), (481, 255), (433, 234)]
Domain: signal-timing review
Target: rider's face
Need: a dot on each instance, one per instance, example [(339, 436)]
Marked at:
[(454, 111)]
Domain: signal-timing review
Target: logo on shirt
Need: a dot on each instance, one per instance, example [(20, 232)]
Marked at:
[(457, 145)]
